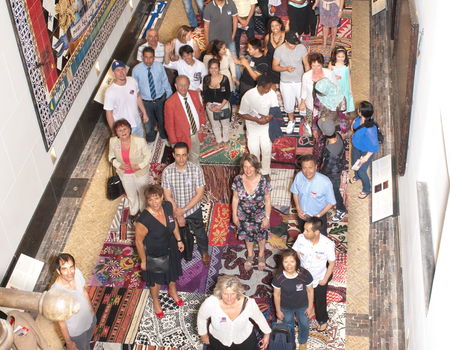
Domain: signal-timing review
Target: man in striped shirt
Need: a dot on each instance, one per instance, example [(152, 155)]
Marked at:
[(184, 183)]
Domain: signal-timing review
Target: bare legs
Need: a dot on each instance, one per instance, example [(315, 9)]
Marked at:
[(154, 291), (325, 32), (250, 253), (291, 116)]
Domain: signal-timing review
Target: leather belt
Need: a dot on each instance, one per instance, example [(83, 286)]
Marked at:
[(156, 100)]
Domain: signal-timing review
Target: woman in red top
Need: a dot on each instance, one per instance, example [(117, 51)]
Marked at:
[(130, 155)]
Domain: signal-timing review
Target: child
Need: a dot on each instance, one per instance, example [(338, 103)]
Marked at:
[(339, 64)]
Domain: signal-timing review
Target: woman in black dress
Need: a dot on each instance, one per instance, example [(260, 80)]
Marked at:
[(157, 234), (273, 39)]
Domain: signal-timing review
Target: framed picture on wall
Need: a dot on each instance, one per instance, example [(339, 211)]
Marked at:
[(59, 42)]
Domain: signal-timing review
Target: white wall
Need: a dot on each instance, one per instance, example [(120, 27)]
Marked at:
[(26, 167), (427, 163)]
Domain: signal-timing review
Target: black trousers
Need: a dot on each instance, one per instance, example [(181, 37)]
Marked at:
[(251, 343)]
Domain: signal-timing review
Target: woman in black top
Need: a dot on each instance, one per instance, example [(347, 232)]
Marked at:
[(293, 293), (274, 38), (157, 234), (217, 94)]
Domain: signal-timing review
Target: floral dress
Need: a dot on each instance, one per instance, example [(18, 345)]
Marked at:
[(251, 209)]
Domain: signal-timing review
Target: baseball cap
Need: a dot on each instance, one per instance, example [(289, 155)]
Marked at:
[(291, 38), (327, 126), (117, 64)]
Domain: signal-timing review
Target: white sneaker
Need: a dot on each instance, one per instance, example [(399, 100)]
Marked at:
[(308, 129), (150, 145), (338, 216), (290, 127), (166, 141)]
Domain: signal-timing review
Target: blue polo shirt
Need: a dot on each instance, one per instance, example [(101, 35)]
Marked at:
[(140, 73), (313, 195)]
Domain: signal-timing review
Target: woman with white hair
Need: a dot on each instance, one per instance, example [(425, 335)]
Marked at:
[(230, 312)]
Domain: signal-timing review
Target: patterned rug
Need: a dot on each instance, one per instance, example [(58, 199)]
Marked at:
[(220, 221), (210, 155), (281, 181), (213, 270), (118, 313), (177, 329), (257, 283), (283, 153), (218, 182), (118, 266)]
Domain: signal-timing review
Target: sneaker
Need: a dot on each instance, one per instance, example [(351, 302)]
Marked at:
[(150, 144), (308, 129), (167, 143), (290, 127), (338, 217)]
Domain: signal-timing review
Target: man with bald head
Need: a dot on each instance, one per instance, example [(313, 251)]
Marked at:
[(152, 38), (185, 118)]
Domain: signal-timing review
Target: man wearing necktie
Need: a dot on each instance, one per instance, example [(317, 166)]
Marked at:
[(185, 118), (155, 89)]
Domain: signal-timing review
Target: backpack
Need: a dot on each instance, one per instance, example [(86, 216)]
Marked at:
[(282, 337), (379, 133)]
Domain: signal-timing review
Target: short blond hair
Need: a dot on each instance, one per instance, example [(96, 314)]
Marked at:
[(231, 282)]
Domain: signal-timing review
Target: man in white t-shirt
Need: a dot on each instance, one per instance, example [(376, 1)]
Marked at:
[(187, 65), (289, 59), (78, 329), (123, 101), (255, 107), (317, 254)]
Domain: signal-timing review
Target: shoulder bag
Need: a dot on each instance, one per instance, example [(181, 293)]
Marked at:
[(114, 188), (157, 264)]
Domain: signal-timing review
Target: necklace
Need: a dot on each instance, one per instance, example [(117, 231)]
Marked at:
[(277, 41), (155, 214)]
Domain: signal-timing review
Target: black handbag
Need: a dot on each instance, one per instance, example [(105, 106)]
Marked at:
[(156, 264), (223, 114), (188, 241), (114, 188)]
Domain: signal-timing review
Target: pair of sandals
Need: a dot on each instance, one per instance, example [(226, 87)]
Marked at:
[(249, 260), (362, 195)]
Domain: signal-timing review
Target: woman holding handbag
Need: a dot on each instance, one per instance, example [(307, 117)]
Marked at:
[(217, 94), (130, 155), (159, 244)]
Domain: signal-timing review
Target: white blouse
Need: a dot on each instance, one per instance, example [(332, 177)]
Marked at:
[(225, 330)]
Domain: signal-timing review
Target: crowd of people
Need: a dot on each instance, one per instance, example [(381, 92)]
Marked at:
[(173, 91)]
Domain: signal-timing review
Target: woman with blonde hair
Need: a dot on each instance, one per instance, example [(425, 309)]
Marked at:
[(230, 312), (184, 37)]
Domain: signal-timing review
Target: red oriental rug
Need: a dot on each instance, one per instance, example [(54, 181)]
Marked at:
[(220, 220)]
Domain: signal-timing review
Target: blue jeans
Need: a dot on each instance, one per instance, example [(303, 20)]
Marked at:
[(191, 13), (303, 322), (155, 113), (138, 130), (250, 32), (361, 174)]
